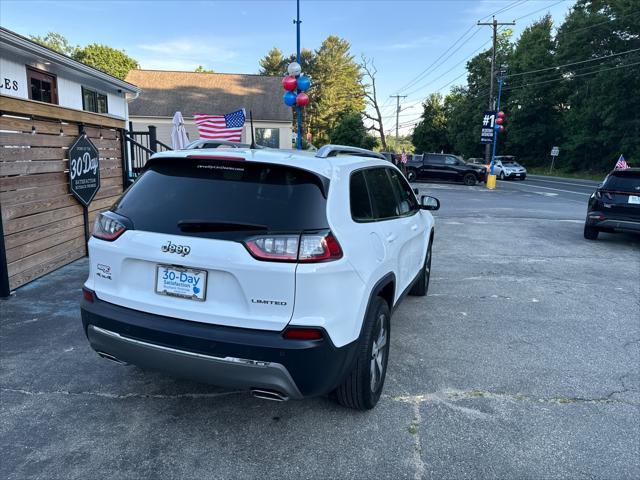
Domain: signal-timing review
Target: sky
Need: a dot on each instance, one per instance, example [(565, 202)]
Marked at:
[(404, 37)]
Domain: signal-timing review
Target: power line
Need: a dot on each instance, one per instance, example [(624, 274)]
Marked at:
[(504, 9), (571, 32), (571, 77), (421, 75), (539, 10), (574, 63)]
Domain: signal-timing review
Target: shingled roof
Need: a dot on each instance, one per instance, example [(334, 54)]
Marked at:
[(165, 92)]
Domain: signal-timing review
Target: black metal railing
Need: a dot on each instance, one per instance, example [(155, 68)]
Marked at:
[(140, 145)]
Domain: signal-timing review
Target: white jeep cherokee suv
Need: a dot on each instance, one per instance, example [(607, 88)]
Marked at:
[(271, 270)]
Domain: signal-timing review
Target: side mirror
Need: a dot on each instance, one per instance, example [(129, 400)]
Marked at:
[(429, 203)]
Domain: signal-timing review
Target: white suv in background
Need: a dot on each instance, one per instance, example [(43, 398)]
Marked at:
[(271, 270)]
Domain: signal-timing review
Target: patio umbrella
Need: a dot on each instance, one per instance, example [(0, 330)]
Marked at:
[(179, 137)]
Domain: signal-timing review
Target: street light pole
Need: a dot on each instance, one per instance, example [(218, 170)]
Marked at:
[(495, 133), (298, 108)]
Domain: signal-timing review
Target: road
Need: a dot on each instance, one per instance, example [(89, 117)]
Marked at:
[(522, 362), (573, 190)]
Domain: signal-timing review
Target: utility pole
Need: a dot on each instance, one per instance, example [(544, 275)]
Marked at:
[(495, 24), (397, 97)]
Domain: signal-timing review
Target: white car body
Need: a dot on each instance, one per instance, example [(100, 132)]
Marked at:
[(247, 293), (510, 170)]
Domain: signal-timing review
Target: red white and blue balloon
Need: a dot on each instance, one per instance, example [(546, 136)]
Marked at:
[(295, 85)]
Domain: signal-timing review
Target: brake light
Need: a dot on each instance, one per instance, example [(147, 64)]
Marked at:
[(294, 333), (217, 157), (307, 248), (106, 228)]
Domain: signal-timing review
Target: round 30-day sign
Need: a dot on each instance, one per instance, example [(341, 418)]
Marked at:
[(84, 170)]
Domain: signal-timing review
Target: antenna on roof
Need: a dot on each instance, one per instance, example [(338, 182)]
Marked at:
[(253, 140)]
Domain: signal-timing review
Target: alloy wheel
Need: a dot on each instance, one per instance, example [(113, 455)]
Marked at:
[(378, 352)]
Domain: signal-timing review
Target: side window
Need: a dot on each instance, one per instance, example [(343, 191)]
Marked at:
[(359, 198), (384, 200), (451, 161), (407, 200), (436, 160)]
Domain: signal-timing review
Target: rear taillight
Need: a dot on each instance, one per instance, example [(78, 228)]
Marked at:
[(283, 248), (319, 248), (107, 228), (295, 333), (308, 247)]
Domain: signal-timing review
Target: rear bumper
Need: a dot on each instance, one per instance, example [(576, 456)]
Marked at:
[(595, 219), (224, 356)]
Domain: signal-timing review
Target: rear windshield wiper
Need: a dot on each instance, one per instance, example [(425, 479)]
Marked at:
[(215, 226)]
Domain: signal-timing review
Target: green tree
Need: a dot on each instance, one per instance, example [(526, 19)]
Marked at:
[(273, 63), (350, 130), (600, 102), (338, 88), (109, 60), (430, 135), (201, 69), (56, 41), (532, 109)]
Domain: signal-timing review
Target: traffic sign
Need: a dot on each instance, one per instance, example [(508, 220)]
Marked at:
[(488, 124), (555, 151)]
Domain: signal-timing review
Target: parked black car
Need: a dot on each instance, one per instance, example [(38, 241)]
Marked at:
[(446, 167), (615, 205)]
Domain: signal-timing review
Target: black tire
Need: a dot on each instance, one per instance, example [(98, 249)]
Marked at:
[(469, 179), (357, 391), (591, 233), (421, 286), (522, 178), (411, 175), (501, 175)]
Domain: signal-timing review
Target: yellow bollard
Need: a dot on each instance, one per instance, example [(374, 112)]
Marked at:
[(491, 182)]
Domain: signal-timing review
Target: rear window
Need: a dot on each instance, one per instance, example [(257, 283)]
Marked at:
[(220, 198), (623, 182)]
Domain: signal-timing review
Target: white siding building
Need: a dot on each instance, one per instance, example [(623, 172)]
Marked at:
[(30, 71)]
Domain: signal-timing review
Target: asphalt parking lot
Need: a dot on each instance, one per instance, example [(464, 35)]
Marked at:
[(522, 362)]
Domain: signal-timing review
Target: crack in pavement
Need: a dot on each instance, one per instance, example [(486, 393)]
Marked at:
[(122, 396), (450, 396)]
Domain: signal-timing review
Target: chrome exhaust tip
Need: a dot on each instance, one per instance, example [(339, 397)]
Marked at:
[(108, 356), (269, 395)]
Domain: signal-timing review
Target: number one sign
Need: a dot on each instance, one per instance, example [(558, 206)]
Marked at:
[(84, 170)]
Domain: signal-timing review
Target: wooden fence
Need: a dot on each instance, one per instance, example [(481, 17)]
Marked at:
[(42, 223)]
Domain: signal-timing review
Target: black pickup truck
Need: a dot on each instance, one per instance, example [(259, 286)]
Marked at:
[(444, 167)]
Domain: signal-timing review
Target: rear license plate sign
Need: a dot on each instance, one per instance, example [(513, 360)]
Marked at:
[(634, 199), (181, 282)]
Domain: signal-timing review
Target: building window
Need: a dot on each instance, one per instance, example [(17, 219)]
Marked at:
[(42, 86), (268, 137), (93, 101)]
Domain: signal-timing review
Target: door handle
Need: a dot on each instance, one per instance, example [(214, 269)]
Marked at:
[(414, 227), (391, 237)]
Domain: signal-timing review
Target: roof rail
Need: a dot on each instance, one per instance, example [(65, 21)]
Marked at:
[(335, 150)]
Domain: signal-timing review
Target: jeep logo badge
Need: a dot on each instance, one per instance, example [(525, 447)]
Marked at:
[(173, 248)]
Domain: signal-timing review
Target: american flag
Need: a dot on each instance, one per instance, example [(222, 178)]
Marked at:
[(403, 157), (222, 127), (621, 164)]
